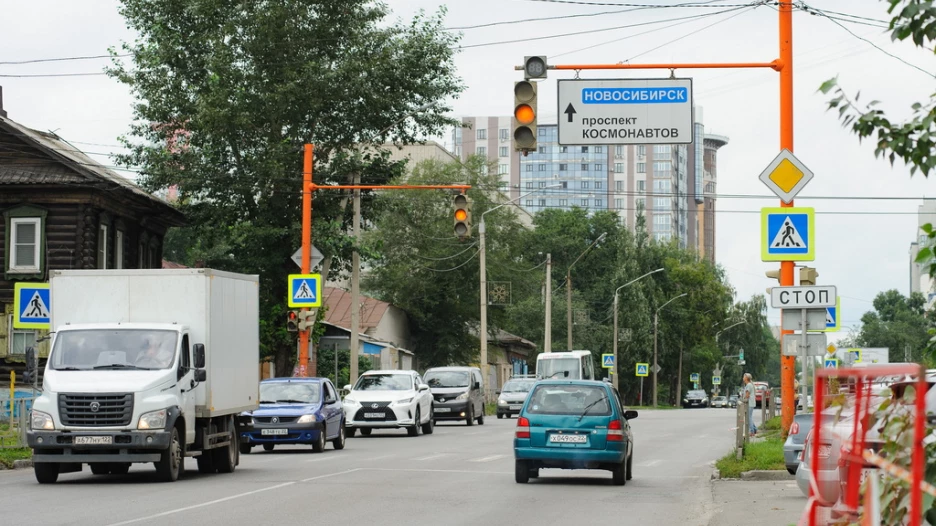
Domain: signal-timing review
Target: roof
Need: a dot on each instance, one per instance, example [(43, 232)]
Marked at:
[(68, 164), (170, 264), (338, 302), (292, 379)]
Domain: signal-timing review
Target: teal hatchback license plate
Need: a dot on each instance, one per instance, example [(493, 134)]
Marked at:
[(568, 439)]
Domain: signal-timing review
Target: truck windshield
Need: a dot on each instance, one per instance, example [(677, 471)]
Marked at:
[(114, 349), (290, 392), (556, 367), (447, 379)]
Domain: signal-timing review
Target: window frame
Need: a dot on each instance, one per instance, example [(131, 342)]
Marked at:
[(119, 239), (103, 230), (12, 267)]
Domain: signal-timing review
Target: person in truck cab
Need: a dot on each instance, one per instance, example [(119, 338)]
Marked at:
[(153, 356)]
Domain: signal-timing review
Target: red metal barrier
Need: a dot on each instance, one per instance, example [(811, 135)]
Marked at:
[(863, 377)]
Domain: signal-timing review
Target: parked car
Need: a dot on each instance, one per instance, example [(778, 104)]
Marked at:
[(573, 424), (759, 389), (387, 400), (827, 481), (695, 398), (511, 397), (802, 425), (296, 411), (458, 393), (719, 401), (733, 401)]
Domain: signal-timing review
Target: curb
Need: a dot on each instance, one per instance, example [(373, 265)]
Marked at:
[(761, 475), (716, 474)]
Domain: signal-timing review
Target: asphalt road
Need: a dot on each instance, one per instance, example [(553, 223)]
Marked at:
[(458, 475)]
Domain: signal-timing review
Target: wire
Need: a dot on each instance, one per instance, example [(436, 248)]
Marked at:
[(40, 75), (813, 11), (453, 268), (449, 257), (653, 6), (60, 59), (561, 17), (885, 22), (739, 13)]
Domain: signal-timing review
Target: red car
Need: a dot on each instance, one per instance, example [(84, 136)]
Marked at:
[(759, 389)]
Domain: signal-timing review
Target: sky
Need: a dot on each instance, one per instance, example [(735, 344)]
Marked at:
[(862, 239)]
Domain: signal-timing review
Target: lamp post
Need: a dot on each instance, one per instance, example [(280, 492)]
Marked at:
[(569, 289), (656, 318), (482, 250), (615, 335)]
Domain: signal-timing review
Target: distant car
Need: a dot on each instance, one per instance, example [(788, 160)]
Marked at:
[(719, 401), (389, 399), (759, 389), (458, 394), (296, 411), (511, 397), (733, 401), (573, 424), (695, 398)]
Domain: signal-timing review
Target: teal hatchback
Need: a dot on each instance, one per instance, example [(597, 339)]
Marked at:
[(574, 424)]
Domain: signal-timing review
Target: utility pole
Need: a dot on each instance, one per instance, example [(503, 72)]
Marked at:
[(656, 366), (679, 374), (547, 340), (355, 283)]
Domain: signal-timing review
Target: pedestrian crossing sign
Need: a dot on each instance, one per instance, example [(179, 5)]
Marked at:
[(830, 363), (305, 290), (716, 380), (607, 361), (32, 306), (643, 369), (788, 234)]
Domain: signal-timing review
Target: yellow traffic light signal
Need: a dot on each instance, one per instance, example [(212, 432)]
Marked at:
[(462, 216), (524, 116)]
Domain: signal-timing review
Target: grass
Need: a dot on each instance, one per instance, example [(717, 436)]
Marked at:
[(490, 409), (765, 455), (8, 455)]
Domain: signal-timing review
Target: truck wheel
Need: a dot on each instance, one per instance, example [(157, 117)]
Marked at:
[(171, 462), (46, 473), (100, 469), (339, 442), (205, 462), (225, 458)]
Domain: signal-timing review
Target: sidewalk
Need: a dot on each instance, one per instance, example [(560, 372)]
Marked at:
[(749, 503)]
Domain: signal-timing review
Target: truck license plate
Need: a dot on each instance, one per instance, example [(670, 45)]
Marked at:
[(374, 415), (94, 440), (443, 409), (274, 431), (568, 439)]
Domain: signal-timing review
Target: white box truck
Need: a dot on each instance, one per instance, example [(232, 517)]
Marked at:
[(146, 366)]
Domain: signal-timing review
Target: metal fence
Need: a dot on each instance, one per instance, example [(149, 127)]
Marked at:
[(14, 421)]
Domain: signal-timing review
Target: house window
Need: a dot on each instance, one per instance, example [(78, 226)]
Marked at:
[(102, 246), (619, 203), (542, 203), (529, 203), (482, 150), (542, 184), (563, 167), (599, 167), (20, 339), (642, 186), (598, 202), (640, 203), (542, 149), (641, 150), (563, 202), (502, 169), (564, 149), (585, 203), (503, 151), (641, 168), (542, 167), (119, 249), (584, 149), (529, 185), (504, 134), (584, 184), (619, 186), (529, 167), (599, 149), (619, 150), (619, 167), (482, 135), (597, 185), (25, 244), (584, 167)]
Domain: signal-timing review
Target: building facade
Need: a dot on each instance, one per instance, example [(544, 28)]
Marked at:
[(920, 280), (673, 186)]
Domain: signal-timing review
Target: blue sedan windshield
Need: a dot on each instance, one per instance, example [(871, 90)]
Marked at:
[(290, 392)]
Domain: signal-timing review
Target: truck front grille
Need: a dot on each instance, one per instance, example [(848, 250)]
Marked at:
[(96, 410)]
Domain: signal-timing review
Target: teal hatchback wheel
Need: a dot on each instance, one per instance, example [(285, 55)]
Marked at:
[(521, 472), (619, 474)]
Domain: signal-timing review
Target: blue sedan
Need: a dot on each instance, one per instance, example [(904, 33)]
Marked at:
[(574, 424), (296, 411)]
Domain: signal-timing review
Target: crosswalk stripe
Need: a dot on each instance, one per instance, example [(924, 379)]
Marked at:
[(487, 459)]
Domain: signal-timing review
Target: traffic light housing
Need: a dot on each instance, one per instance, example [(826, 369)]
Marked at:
[(534, 67), (773, 274), (30, 374), (462, 216), (524, 116), (808, 275), (306, 320), (292, 321)]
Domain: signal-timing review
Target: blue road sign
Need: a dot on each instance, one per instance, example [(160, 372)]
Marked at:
[(788, 234), (32, 308), (830, 363), (305, 290), (607, 361), (694, 378), (716, 380), (643, 369)]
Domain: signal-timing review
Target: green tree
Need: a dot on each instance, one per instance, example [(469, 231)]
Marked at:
[(227, 92), (897, 323)]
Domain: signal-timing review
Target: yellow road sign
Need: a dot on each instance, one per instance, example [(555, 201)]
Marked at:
[(786, 176)]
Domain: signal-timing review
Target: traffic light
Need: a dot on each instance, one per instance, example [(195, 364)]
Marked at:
[(534, 67), (29, 375), (306, 320), (741, 356), (808, 275), (524, 116), (773, 274), (292, 321), (462, 216)]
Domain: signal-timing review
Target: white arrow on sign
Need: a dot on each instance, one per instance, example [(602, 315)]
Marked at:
[(317, 258), (814, 297)]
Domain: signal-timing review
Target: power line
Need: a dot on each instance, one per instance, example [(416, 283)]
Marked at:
[(58, 59), (541, 19), (654, 6), (41, 75)]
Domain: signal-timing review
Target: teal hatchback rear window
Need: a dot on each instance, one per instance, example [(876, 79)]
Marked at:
[(569, 400)]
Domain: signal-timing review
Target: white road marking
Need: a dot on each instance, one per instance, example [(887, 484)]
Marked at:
[(371, 459), (433, 457), (649, 463), (487, 459), (232, 497), (440, 471), (322, 459)]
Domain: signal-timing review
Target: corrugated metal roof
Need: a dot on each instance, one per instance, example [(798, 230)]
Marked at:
[(338, 302)]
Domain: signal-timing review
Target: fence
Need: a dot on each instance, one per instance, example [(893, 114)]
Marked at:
[(14, 421)]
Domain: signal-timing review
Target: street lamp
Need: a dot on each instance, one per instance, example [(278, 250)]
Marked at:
[(656, 317), (615, 336), (569, 289), (725, 329), (483, 252)]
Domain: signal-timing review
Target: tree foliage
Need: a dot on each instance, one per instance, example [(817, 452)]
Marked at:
[(898, 323), (228, 92)]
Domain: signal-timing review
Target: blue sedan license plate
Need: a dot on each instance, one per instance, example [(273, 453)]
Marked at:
[(568, 439)]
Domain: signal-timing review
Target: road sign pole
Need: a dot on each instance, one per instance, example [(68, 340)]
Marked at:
[(307, 189), (787, 363), (805, 352), (615, 339)]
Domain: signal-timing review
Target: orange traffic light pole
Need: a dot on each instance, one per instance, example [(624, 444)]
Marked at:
[(308, 187), (783, 65)]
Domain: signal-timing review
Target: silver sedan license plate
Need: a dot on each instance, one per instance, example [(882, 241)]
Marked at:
[(274, 431), (374, 415), (94, 440), (568, 439)]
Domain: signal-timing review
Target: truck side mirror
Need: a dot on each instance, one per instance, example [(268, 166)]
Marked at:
[(201, 375), (199, 350)]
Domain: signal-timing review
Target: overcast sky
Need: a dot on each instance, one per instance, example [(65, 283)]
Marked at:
[(863, 251)]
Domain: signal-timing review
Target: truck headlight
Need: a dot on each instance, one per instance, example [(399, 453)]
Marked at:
[(501, 401), (41, 420), (463, 396), (306, 419), (153, 420)]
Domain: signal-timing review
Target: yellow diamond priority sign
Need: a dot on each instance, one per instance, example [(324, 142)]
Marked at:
[(786, 176)]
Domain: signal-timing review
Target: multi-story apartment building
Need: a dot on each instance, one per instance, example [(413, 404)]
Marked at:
[(920, 280), (672, 185)]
